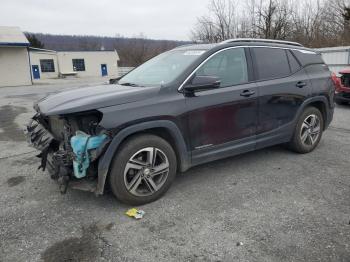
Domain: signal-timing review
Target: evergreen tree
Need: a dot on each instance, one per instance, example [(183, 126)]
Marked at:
[(34, 42)]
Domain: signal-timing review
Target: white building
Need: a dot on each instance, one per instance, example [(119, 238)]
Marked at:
[(23, 65), (337, 58), (14, 59), (89, 63), (48, 64), (44, 64)]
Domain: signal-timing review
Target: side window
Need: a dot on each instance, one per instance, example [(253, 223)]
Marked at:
[(271, 63), (294, 64), (78, 64), (229, 65), (47, 65)]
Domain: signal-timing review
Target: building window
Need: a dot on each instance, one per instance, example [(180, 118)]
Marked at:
[(78, 64), (47, 65)]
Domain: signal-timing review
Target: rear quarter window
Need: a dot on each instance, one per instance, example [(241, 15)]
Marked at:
[(271, 63), (294, 64), (306, 57)]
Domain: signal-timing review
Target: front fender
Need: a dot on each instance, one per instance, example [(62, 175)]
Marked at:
[(107, 157)]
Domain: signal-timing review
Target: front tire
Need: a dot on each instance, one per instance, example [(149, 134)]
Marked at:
[(308, 131), (143, 169)]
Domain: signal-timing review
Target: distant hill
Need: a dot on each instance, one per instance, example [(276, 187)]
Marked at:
[(132, 51)]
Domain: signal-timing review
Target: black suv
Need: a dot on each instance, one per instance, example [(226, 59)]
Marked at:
[(185, 107)]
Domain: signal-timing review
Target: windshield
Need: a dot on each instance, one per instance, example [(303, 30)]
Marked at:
[(161, 69)]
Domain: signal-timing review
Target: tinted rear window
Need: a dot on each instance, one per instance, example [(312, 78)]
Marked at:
[(271, 63)]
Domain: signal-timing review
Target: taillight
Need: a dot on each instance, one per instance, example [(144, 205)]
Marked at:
[(334, 78), (336, 81)]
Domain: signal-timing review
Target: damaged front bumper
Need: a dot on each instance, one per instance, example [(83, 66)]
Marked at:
[(39, 137), (37, 134), (70, 156)]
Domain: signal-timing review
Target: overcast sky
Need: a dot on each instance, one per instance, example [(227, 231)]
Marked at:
[(158, 19)]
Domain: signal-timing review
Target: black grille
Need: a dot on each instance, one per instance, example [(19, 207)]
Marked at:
[(346, 95)]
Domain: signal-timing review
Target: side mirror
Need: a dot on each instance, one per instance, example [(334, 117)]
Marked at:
[(201, 83)]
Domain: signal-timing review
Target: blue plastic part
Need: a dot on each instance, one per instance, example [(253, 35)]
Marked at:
[(81, 144)]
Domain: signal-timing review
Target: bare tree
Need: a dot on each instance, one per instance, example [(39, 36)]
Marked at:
[(135, 52), (34, 41), (346, 17), (337, 19), (85, 44), (273, 20), (306, 19), (139, 49), (220, 24), (314, 23)]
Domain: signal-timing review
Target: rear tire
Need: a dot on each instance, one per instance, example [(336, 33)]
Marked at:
[(143, 169), (308, 131)]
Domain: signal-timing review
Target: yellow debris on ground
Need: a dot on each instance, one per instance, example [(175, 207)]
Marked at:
[(135, 213)]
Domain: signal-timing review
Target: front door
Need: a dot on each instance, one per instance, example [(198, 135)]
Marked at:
[(104, 70), (36, 72), (223, 120)]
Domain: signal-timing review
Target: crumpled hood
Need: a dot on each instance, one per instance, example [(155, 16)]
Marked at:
[(95, 97)]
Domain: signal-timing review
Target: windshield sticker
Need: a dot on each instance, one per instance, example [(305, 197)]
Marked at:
[(194, 52)]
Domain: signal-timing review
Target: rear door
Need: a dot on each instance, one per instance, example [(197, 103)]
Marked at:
[(283, 86), (223, 121)]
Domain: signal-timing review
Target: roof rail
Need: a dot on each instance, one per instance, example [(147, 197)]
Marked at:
[(261, 40)]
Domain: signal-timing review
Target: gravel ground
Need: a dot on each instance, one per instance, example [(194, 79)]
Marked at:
[(268, 205)]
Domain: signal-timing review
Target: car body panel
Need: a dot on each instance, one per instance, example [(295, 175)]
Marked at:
[(344, 71), (207, 125), (92, 98), (321, 81), (279, 100), (163, 106), (180, 145), (342, 85), (221, 115)]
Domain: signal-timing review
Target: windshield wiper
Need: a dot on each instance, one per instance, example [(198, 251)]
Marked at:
[(130, 84)]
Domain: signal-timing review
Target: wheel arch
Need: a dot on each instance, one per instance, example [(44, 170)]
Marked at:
[(320, 106), (321, 103), (165, 129)]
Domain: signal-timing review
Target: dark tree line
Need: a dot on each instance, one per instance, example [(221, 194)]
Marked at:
[(34, 41), (314, 23), (132, 51)]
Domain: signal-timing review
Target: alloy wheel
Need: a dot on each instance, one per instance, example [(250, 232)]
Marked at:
[(310, 130), (146, 171)]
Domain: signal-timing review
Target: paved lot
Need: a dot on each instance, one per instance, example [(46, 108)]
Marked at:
[(282, 206)]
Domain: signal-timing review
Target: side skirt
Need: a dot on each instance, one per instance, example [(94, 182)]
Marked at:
[(212, 153), (228, 149)]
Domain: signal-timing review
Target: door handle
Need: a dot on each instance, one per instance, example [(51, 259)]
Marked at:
[(301, 84), (247, 93)]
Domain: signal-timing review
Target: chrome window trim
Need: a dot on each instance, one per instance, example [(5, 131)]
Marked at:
[(233, 47)]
